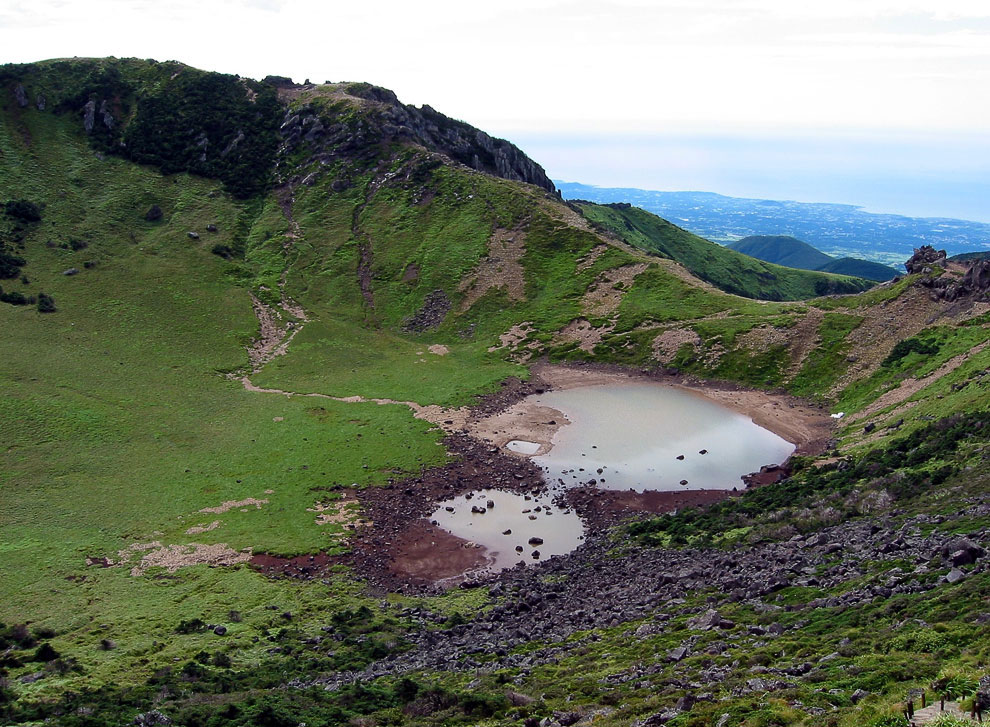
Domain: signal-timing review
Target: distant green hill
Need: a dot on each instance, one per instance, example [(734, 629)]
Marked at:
[(782, 250), (795, 253), (726, 269), (970, 256), (860, 268)]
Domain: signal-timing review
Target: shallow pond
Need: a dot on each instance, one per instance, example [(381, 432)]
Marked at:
[(644, 436), (484, 516)]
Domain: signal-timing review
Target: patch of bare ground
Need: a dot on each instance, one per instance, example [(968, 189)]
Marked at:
[(513, 340), (763, 338), (523, 420), (803, 338), (338, 512), (173, 557), (197, 529), (581, 331), (438, 349), (894, 320), (308, 92), (668, 343), (234, 505), (500, 268), (591, 258), (605, 294), (911, 386)]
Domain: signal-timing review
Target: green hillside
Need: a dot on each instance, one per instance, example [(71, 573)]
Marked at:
[(860, 268), (725, 269), (793, 253), (967, 256), (242, 352), (782, 250)]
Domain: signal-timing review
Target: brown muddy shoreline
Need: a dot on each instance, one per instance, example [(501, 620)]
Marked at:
[(403, 551)]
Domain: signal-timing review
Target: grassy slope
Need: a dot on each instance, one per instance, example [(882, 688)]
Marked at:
[(782, 250), (118, 425), (726, 269)]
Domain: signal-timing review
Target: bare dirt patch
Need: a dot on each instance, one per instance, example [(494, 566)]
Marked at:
[(581, 331), (197, 529), (438, 349), (501, 268), (606, 293), (591, 258), (427, 552), (173, 557), (803, 338), (513, 340), (668, 343), (764, 338), (233, 504), (339, 512)]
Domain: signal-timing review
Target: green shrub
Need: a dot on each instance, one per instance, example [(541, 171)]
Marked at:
[(908, 346), (21, 209), (46, 303)]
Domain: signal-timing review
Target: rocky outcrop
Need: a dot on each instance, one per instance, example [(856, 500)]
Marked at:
[(924, 258), (930, 263), (20, 96), (384, 119), (89, 115), (973, 285)]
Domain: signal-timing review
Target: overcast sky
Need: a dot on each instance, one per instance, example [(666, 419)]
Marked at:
[(576, 68)]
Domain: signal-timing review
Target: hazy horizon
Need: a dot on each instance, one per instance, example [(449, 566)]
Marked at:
[(868, 102), (912, 176)]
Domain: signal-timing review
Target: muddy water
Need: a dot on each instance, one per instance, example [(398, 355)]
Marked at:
[(536, 517), (644, 436)]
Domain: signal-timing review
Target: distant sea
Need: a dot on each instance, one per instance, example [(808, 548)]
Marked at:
[(918, 175)]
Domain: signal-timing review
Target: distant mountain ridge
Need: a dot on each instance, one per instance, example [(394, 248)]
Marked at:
[(793, 253), (836, 229)]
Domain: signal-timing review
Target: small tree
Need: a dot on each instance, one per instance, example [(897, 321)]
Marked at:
[(46, 303)]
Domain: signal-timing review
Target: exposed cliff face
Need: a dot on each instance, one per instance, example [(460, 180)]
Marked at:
[(384, 119)]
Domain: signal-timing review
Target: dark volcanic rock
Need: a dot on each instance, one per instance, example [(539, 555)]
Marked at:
[(89, 115), (434, 310), (924, 258), (386, 121), (153, 214), (20, 96)]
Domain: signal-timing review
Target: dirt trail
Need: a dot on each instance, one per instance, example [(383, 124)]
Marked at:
[(447, 419)]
